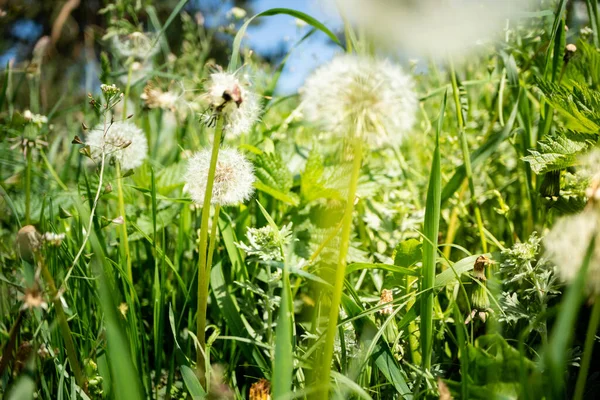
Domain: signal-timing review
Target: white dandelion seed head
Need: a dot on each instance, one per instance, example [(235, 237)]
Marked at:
[(361, 94), (139, 45), (566, 245), (234, 177), (434, 28), (239, 106), (124, 142)]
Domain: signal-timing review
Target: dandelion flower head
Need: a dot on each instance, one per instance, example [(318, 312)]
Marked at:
[(231, 97), (139, 45), (123, 142), (566, 245), (361, 94), (234, 177)]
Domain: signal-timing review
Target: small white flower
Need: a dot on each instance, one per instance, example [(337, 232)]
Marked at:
[(54, 239), (566, 245), (370, 96), (124, 142), (234, 177), (239, 106)]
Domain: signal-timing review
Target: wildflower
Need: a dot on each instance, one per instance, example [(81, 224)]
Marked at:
[(387, 296), (431, 27), (227, 95), (260, 390), (139, 45), (234, 177), (36, 119), (123, 141), (566, 245), (352, 93), (54, 239), (33, 299), (570, 50), (109, 90), (266, 243), (156, 98)]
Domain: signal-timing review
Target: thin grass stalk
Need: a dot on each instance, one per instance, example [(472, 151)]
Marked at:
[(466, 156), (588, 349), (124, 239), (340, 272), (64, 327), (203, 273)]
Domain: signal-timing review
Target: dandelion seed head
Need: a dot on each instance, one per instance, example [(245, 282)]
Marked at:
[(361, 94), (123, 142), (566, 245), (234, 176), (239, 106), (156, 98), (139, 45)]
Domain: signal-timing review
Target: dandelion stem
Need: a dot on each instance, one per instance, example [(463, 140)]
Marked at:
[(340, 272), (64, 327), (588, 349), (203, 273), (28, 187), (124, 238)]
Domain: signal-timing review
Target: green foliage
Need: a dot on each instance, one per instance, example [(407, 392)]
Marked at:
[(559, 151)]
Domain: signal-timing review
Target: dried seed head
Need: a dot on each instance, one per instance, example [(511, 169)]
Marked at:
[(33, 298), (28, 242), (260, 390), (227, 95), (234, 177), (156, 98), (124, 142), (387, 297)]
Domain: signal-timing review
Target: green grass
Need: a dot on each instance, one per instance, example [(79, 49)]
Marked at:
[(168, 302)]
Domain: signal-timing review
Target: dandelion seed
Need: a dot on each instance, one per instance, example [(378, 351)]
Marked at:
[(239, 106), (234, 177), (372, 97), (124, 142)]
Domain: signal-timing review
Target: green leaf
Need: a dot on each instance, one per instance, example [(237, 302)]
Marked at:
[(387, 267), (192, 383), (235, 55), (408, 252), (430, 230), (559, 151)]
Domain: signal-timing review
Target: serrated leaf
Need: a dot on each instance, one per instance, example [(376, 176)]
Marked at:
[(408, 252), (559, 151)]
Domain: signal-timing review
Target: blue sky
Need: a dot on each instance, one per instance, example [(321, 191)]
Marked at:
[(278, 29)]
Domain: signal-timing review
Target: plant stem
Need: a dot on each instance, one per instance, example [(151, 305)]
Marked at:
[(28, 187), (203, 273), (124, 239), (64, 328), (340, 272), (588, 349), (466, 156)]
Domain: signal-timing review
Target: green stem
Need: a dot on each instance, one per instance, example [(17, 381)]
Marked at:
[(28, 187), (64, 328), (126, 95), (340, 272), (588, 349), (124, 238), (203, 273), (466, 156)]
